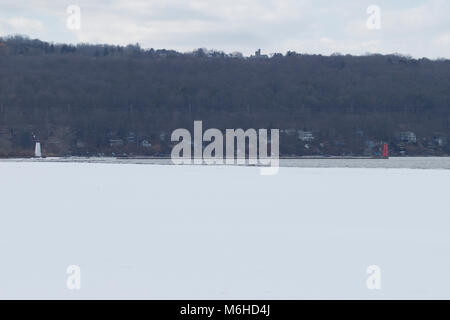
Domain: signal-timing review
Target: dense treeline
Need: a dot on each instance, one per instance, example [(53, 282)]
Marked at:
[(76, 99)]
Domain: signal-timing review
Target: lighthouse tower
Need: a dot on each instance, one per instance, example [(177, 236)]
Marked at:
[(385, 151), (37, 150)]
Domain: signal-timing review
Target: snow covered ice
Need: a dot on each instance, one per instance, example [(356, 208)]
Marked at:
[(216, 232)]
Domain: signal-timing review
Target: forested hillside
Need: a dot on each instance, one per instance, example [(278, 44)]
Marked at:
[(102, 99)]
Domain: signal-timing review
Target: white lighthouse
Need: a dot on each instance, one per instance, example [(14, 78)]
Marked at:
[(37, 150)]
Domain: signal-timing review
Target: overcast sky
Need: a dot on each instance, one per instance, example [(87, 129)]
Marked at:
[(420, 28)]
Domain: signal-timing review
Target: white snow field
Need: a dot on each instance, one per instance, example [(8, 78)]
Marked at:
[(211, 232)]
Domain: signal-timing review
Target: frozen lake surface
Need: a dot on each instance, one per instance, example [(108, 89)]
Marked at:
[(393, 162), (216, 232)]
